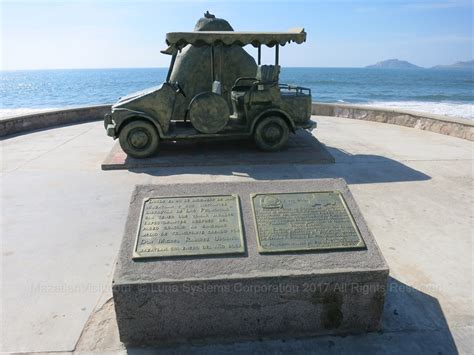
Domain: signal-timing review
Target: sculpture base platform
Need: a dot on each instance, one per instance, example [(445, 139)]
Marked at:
[(251, 295), (303, 148)]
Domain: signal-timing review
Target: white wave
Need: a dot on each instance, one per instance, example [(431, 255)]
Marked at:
[(437, 108), (11, 112)]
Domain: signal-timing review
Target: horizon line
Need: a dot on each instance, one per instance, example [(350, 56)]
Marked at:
[(98, 68), (292, 67)]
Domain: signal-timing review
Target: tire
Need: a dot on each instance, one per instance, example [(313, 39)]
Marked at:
[(271, 134), (139, 139)]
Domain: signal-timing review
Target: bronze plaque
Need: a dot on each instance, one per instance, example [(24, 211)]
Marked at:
[(304, 221), (189, 225)]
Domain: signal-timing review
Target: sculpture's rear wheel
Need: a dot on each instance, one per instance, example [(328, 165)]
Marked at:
[(139, 139), (271, 134)]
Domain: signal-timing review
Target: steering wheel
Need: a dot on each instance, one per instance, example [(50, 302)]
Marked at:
[(179, 89)]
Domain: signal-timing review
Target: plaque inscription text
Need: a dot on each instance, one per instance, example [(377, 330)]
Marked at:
[(189, 225), (304, 221)]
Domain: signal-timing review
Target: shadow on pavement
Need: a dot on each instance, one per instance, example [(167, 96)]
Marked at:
[(304, 158), (362, 169), (355, 169)]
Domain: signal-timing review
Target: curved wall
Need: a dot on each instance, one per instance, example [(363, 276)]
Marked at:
[(461, 128), (42, 120), (456, 127)]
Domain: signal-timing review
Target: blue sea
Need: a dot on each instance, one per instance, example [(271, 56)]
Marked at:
[(446, 92)]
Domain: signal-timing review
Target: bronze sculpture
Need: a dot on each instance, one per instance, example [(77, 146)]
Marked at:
[(214, 90)]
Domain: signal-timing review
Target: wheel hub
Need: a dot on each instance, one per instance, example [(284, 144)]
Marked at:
[(272, 133), (139, 138)]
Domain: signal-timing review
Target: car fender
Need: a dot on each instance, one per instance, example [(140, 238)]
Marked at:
[(122, 116), (274, 112)]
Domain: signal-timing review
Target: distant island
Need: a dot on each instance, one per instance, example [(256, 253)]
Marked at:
[(393, 64), (458, 65), (403, 64)]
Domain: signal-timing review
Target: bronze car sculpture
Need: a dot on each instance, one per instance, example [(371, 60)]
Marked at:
[(256, 106)]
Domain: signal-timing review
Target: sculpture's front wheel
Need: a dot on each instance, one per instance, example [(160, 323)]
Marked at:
[(271, 133), (139, 139)]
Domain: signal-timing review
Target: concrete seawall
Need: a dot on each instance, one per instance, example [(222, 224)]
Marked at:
[(461, 128), (456, 127), (42, 120)]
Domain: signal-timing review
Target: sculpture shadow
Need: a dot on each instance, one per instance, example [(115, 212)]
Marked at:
[(412, 321), (363, 169), (355, 169)]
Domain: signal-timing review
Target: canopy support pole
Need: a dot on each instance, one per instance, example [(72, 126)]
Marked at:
[(173, 59), (277, 54), (212, 64), (259, 54)]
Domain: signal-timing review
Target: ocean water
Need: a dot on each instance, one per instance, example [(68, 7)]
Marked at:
[(445, 92)]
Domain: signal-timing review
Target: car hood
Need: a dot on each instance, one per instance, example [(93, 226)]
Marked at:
[(136, 96)]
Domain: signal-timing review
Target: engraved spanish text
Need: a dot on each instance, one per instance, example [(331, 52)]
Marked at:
[(190, 225), (304, 221)]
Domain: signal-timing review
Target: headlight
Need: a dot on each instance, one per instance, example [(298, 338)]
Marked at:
[(107, 120)]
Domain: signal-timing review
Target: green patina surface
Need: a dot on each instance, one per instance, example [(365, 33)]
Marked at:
[(189, 225), (217, 89), (304, 221)]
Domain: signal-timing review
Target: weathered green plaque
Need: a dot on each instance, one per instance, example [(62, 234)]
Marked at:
[(189, 225), (304, 221)]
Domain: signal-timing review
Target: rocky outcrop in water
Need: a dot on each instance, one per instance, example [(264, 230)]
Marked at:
[(393, 64)]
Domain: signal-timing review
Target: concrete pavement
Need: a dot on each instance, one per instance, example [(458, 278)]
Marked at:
[(63, 218)]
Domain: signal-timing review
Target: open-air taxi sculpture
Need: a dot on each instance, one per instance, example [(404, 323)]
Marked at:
[(255, 106)]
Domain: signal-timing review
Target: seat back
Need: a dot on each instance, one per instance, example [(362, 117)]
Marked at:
[(268, 73)]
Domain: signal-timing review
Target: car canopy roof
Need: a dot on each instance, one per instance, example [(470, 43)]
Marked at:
[(229, 38)]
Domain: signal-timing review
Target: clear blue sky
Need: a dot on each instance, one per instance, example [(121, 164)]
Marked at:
[(110, 34)]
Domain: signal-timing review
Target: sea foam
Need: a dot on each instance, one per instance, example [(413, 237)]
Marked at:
[(12, 112), (437, 108)]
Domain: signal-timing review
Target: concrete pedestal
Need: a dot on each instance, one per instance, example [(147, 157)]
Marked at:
[(252, 295)]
